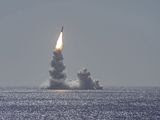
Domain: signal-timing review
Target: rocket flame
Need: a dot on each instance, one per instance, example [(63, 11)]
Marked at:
[(59, 45)]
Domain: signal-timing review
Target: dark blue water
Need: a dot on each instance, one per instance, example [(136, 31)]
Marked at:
[(110, 104)]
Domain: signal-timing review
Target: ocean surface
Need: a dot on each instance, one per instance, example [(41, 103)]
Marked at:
[(113, 103)]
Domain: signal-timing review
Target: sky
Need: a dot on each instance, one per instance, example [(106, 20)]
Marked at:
[(116, 40)]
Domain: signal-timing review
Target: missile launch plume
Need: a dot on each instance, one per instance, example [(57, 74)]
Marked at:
[(59, 45), (58, 76), (57, 80)]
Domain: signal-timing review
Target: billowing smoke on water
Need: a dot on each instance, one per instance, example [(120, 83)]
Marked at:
[(57, 80), (58, 77), (85, 80)]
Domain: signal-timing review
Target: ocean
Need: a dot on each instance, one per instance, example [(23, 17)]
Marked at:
[(112, 103)]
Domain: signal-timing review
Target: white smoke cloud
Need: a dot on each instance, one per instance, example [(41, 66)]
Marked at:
[(85, 80), (58, 77)]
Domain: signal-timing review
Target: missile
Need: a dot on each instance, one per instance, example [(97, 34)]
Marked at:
[(62, 29)]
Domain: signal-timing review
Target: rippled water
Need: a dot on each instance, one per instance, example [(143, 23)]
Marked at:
[(109, 104)]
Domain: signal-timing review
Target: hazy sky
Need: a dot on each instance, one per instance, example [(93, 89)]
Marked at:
[(117, 40)]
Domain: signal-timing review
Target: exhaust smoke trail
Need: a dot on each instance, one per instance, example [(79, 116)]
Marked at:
[(57, 80), (58, 77)]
